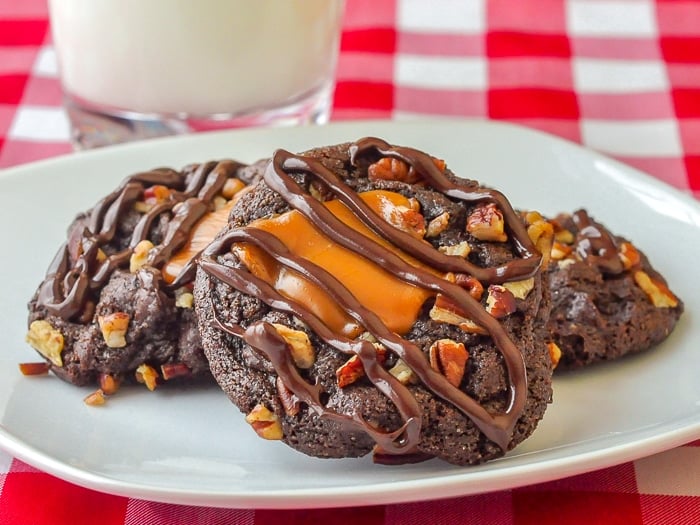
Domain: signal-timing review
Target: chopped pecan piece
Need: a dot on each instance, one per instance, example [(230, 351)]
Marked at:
[(554, 353), (391, 169), (147, 375), (403, 373), (438, 225), (139, 256), (406, 219), (349, 372), (461, 249), (541, 233), (299, 345), (500, 302), (109, 384), (173, 370), (470, 284), (445, 311), (114, 327), (560, 250), (658, 293), (486, 223), (520, 289), (265, 422), (46, 340), (97, 398), (388, 168), (629, 255), (450, 359), (352, 369), (561, 234), (184, 298), (34, 369)]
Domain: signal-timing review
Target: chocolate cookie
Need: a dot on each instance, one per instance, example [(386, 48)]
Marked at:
[(607, 299), (116, 301), (364, 298)]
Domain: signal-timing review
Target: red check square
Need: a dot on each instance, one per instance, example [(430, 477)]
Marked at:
[(376, 40), (532, 103), (23, 32), (342, 516), (687, 102), (692, 164), (359, 94), (41, 499), (576, 508), (12, 88), (513, 44), (677, 49)]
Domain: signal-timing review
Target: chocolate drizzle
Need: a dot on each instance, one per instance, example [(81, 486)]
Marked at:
[(81, 268), (372, 148), (265, 339), (596, 245), (262, 336)]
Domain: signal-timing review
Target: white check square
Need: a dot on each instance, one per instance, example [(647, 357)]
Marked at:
[(444, 16), (40, 124), (441, 72), (617, 76), (46, 64), (630, 18)]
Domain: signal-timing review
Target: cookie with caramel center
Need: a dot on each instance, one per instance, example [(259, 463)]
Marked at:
[(116, 303), (363, 299)]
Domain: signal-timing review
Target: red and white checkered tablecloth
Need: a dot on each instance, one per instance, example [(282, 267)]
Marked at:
[(619, 76)]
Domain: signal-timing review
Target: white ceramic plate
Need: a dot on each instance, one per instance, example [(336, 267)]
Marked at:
[(193, 447)]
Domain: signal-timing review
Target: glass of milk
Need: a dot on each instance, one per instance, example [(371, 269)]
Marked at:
[(133, 69)]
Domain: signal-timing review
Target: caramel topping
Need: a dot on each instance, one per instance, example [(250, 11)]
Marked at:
[(396, 302), (200, 236)]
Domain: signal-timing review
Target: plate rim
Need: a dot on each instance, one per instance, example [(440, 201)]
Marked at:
[(398, 492)]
